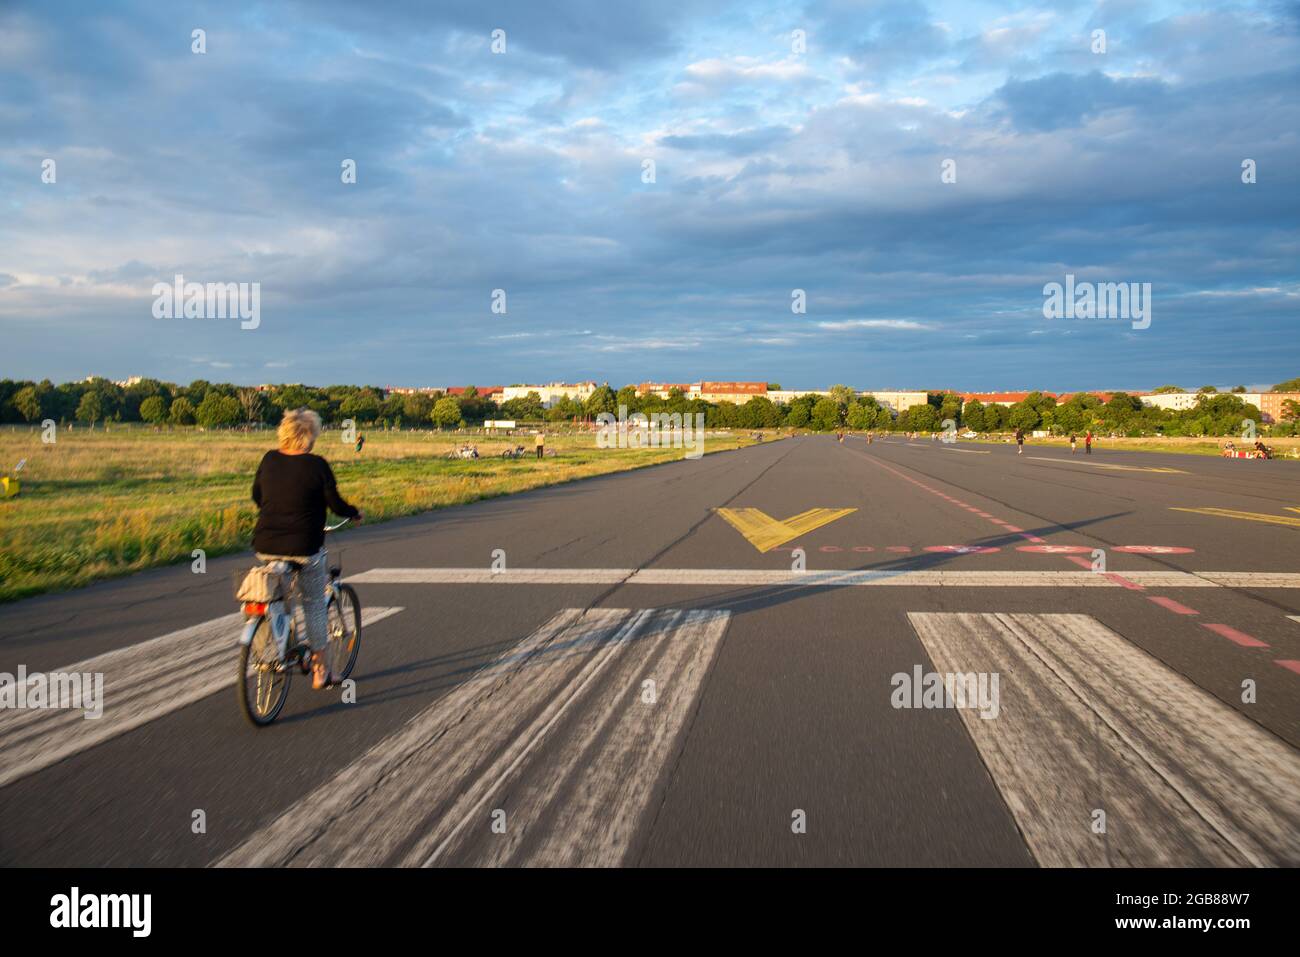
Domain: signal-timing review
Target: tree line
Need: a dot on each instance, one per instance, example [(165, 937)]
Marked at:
[(218, 405)]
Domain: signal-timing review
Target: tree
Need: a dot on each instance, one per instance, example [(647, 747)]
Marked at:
[(416, 406), (859, 417), (362, 406), (1239, 389), (972, 414), (1024, 415), (923, 418), (181, 412), (843, 395), (90, 409), (1168, 388), (217, 410), (602, 400), (1290, 385), (446, 413), (826, 415), (28, 403), (1207, 389), (798, 415), (250, 401), (1290, 410), (153, 410)]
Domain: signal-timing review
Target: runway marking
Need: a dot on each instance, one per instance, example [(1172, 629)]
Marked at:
[(555, 733), (765, 533), (1170, 605), (1089, 721), (1289, 664), (971, 451), (1233, 635), (823, 577), (142, 682), (1110, 465), (1244, 516), (1295, 618)]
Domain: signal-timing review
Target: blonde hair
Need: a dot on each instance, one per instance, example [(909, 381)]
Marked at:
[(299, 430)]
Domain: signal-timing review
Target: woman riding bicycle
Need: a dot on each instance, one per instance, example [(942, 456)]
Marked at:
[(292, 489)]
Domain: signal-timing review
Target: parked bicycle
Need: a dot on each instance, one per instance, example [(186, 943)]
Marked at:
[(273, 642)]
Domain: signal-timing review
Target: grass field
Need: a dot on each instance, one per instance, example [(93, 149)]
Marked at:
[(95, 505)]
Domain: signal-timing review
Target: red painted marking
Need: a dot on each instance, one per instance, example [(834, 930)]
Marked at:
[(1289, 663), (1010, 528), (982, 514), (1081, 562), (1153, 549), (962, 549), (830, 548), (899, 548), (1056, 550), (1232, 634), (1035, 538), (863, 548), (1171, 605), (1122, 581)]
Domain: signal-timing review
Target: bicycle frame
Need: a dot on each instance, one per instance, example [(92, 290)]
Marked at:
[(280, 612)]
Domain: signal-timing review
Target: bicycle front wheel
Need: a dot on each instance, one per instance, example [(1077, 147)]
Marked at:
[(344, 632), (263, 684)]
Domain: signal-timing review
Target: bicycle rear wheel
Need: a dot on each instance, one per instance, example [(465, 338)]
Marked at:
[(344, 632), (263, 684)]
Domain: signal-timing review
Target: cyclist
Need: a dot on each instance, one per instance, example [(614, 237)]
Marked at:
[(292, 489)]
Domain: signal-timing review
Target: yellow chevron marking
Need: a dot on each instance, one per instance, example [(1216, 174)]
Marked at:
[(1246, 516), (765, 533)]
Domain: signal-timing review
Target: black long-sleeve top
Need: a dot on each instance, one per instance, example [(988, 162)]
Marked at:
[(292, 492)]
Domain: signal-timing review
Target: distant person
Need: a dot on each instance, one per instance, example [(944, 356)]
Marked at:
[(541, 444), (1087, 443), (1074, 443), (292, 489), (361, 440), (1020, 441)]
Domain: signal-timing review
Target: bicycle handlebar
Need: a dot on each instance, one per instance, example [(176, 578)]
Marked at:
[(335, 528)]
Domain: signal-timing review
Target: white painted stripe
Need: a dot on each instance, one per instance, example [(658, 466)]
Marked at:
[(142, 682), (554, 733), (1089, 721), (1295, 618), (820, 578), (1252, 579), (485, 576)]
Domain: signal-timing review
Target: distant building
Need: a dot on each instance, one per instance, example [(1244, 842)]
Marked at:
[(492, 392), (1268, 403), (899, 401), (1175, 401), (552, 392), (737, 392), (786, 396)]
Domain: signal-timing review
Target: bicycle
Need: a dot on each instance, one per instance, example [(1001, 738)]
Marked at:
[(269, 646)]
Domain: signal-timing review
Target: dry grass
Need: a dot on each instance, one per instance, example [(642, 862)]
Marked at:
[(96, 505)]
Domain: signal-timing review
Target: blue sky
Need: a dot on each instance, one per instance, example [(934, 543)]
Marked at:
[(775, 170)]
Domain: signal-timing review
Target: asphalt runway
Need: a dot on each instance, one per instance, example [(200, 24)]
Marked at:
[(716, 662)]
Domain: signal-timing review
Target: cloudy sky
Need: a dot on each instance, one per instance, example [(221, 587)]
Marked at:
[(775, 169)]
